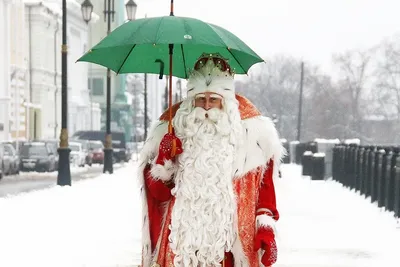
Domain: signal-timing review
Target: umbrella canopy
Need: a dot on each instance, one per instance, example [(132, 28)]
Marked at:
[(140, 46)]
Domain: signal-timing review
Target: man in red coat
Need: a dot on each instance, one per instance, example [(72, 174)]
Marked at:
[(213, 204)]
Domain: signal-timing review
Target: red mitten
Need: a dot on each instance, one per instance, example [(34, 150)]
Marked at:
[(265, 239), (166, 147)]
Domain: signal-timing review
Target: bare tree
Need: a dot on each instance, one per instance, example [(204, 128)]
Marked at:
[(387, 90), (355, 68), (341, 109), (274, 90), (325, 111), (388, 82)]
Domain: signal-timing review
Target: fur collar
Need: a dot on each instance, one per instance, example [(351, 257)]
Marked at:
[(261, 143)]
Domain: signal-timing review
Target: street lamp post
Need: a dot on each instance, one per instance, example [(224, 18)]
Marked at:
[(109, 13), (64, 172)]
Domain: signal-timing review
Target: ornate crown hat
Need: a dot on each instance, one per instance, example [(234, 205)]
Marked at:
[(219, 62), (211, 73)]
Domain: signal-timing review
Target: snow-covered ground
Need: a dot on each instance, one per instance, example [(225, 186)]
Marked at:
[(325, 225), (96, 223)]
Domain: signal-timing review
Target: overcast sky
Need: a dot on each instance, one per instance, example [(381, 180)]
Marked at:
[(308, 29)]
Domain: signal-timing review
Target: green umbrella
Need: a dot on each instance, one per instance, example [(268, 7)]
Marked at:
[(144, 45), (137, 46)]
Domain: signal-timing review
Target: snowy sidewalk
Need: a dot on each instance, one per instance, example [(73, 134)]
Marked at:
[(96, 223), (324, 224)]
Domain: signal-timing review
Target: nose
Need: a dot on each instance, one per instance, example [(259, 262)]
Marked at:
[(207, 105)]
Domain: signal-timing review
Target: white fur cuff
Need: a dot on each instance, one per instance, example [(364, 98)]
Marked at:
[(264, 220), (163, 172)]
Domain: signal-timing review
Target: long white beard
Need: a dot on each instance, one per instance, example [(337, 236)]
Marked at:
[(202, 227)]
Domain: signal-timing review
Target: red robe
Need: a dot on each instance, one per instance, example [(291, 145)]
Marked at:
[(254, 190)]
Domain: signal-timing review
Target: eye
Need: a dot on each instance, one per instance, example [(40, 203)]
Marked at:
[(200, 100), (214, 99)]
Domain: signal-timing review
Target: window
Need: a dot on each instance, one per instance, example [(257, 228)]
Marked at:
[(96, 85)]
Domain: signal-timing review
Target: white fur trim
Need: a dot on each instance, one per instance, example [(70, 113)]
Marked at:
[(146, 241), (152, 143), (154, 256), (264, 220), (240, 259), (164, 172), (147, 154), (264, 210), (210, 79), (261, 143)]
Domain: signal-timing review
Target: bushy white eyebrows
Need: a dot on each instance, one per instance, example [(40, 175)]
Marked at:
[(200, 96), (216, 96), (211, 96)]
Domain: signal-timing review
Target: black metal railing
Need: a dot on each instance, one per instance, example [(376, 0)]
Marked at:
[(373, 171)]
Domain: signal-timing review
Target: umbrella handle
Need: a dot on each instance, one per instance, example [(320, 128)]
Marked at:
[(171, 52), (171, 13), (173, 150), (160, 76)]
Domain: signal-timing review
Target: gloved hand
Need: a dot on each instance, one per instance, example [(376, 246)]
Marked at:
[(166, 148), (265, 239)]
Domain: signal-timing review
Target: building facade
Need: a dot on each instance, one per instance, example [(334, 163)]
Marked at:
[(4, 69), (84, 113), (18, 71), (43, 29), (120, 109)]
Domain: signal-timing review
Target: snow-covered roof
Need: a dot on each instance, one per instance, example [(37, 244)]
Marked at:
[(352, 141), (319, 155), (327, 141), (53, 7)]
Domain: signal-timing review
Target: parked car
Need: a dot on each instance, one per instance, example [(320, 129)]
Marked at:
[(96, 147), (17, 145), (5, 160), (53, 144), (37, 156), (86, 150), (77, 155), (13, 158), (118, 142)]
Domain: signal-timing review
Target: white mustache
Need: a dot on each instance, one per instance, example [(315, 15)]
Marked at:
[(213, 114)]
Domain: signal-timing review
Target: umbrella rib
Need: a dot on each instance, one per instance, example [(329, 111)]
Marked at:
[(126, 58), (184, 61), (212, 27), (237, 60), (158, 30)]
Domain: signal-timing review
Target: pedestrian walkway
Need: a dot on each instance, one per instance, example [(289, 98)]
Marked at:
[(93, 223), (96, 223), (324, 224)]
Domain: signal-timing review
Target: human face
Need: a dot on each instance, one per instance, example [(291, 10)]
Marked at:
[(208, 101)]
